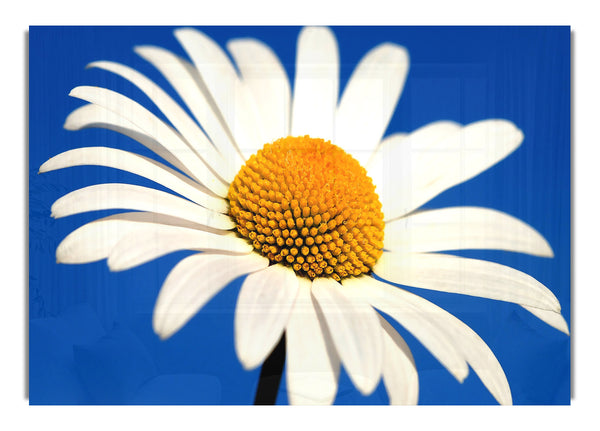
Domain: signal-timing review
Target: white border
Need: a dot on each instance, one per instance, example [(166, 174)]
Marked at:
[(120, 12)]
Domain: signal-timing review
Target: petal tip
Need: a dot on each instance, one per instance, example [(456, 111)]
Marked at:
[(548, 252), (162, 336), (316, 29), (185, 32), (115, 264), (398, 49), (321, 35), (147, 51), (141, 49), (519, 136), (460, 373), (247, 363), (366, 385), (565, 330), (70, 122), (75, 92), (158, 326)]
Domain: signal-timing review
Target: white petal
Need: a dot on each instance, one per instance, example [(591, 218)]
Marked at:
[(262, 312), (316, 84), (96, 116), (391, 164), (474, 277), (193, 135), (439, 156), (129, 196), (463, 339), (94, 241), (193, 282), (155, 128), (461, 228), (418, 318), (378, 165), (186, 81), (265, 78), (552, 318), (355, 331), (153, 241), (139, 165), (481, 359), (230, 96), (399, 371), (312, 366), (369, 100)]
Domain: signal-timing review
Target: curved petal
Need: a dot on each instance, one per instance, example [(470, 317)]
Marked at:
[(193, 282), (265, 78), (96, 116), (481, 358), (316, 84), (193, 135), (473, 277), (139, 165), (94, 241), (262, 312), (469, 345), (312, 366), (129, 196), (369, 100), (185, 80), (461, 228), (155, 128), (399, 371), (437, 157), (552, 318), (355, 331), (378, 165), (226, 90), (416, 318), (153, 241), (391, 164)]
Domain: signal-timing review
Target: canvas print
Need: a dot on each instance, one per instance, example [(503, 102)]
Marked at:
[(287, 215)]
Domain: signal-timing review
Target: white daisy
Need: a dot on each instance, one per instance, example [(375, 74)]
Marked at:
[(305, 197)]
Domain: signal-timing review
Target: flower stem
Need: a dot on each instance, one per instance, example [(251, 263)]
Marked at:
[(270, 375)]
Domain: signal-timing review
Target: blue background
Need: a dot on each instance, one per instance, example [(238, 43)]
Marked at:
[(90, 333)]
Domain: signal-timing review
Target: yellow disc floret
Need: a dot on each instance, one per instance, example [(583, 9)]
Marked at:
[(306, 203)]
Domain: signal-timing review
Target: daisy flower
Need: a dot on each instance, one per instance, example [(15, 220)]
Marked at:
[(296, 187)]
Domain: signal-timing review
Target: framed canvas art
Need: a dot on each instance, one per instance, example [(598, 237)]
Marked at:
[(287, 215)]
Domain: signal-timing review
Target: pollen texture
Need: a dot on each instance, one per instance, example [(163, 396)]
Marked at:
[(306, 203)]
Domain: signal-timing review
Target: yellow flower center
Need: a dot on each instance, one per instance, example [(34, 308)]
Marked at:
[(308, 204)]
